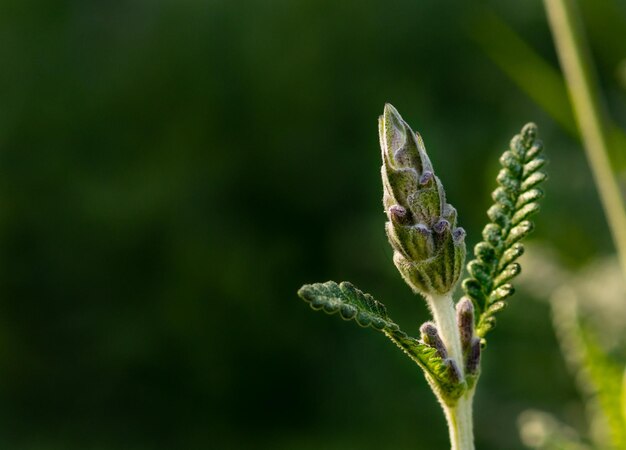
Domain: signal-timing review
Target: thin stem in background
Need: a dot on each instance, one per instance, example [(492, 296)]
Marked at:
[(584, 92)]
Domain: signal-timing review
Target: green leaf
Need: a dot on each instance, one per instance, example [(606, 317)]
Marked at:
[(624, 398), (352, 304), (599, 375), (507, 274), (515, 200), (349, 302), (606, 379)]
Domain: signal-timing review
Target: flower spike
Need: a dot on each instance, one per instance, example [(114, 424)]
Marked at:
[(429, 248)]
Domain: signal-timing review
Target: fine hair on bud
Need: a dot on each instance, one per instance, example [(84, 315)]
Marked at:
[(465, 321), (429, 247), (458, 234), (431, 337), (455, 372), (472, 361), (397, 213), (441, 226), (426, 177)]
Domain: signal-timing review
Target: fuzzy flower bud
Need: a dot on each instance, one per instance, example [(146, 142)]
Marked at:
[(431, 337), (465, 322), (429, 248), (473, 357)]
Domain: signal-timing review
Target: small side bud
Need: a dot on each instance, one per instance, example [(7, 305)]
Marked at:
[(431, 337), (458, 234), (426, 177), (465, 321), (454, 371), (473, 357), (397, 214), (441, 226), (423, 229)]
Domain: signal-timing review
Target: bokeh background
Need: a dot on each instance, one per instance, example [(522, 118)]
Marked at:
[(172, 171)]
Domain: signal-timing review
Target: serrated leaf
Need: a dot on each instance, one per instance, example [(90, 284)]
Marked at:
[(353, 304), (515, 201), (510, 255), (501, 293), (486, 324), (473, 290), (511, 162), (534, 151), (497, 306), (533, 180), (519, 232), (480, 272), (435, 368), (529, 196), (533, 166), (507, 180), (525, 212), (501, 196), (507, 274), (517, 146), (498, 215), (485, 253), (492, 234)]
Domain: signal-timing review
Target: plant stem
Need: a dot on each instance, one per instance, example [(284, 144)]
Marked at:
[(459, 414), (444, 314), (460, 424), (583, 91)]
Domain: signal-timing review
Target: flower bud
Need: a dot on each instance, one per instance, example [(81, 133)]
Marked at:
[(453, 370), (397, 214), (429, 247), (473, 357), (431, 337), (465, 321)]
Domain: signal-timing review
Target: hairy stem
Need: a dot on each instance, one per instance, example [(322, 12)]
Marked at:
[(460, 424), (583, 90), (458, 415), (444, 314)]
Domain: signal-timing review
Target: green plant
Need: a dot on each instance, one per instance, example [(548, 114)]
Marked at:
[(429, 252), (598, 368), (578, 70), (589, 316)]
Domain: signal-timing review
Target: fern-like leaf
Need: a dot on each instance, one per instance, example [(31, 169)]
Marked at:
[(352, 304), (516, 199)]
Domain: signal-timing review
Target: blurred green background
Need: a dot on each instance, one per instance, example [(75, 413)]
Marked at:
[(172, 171)]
